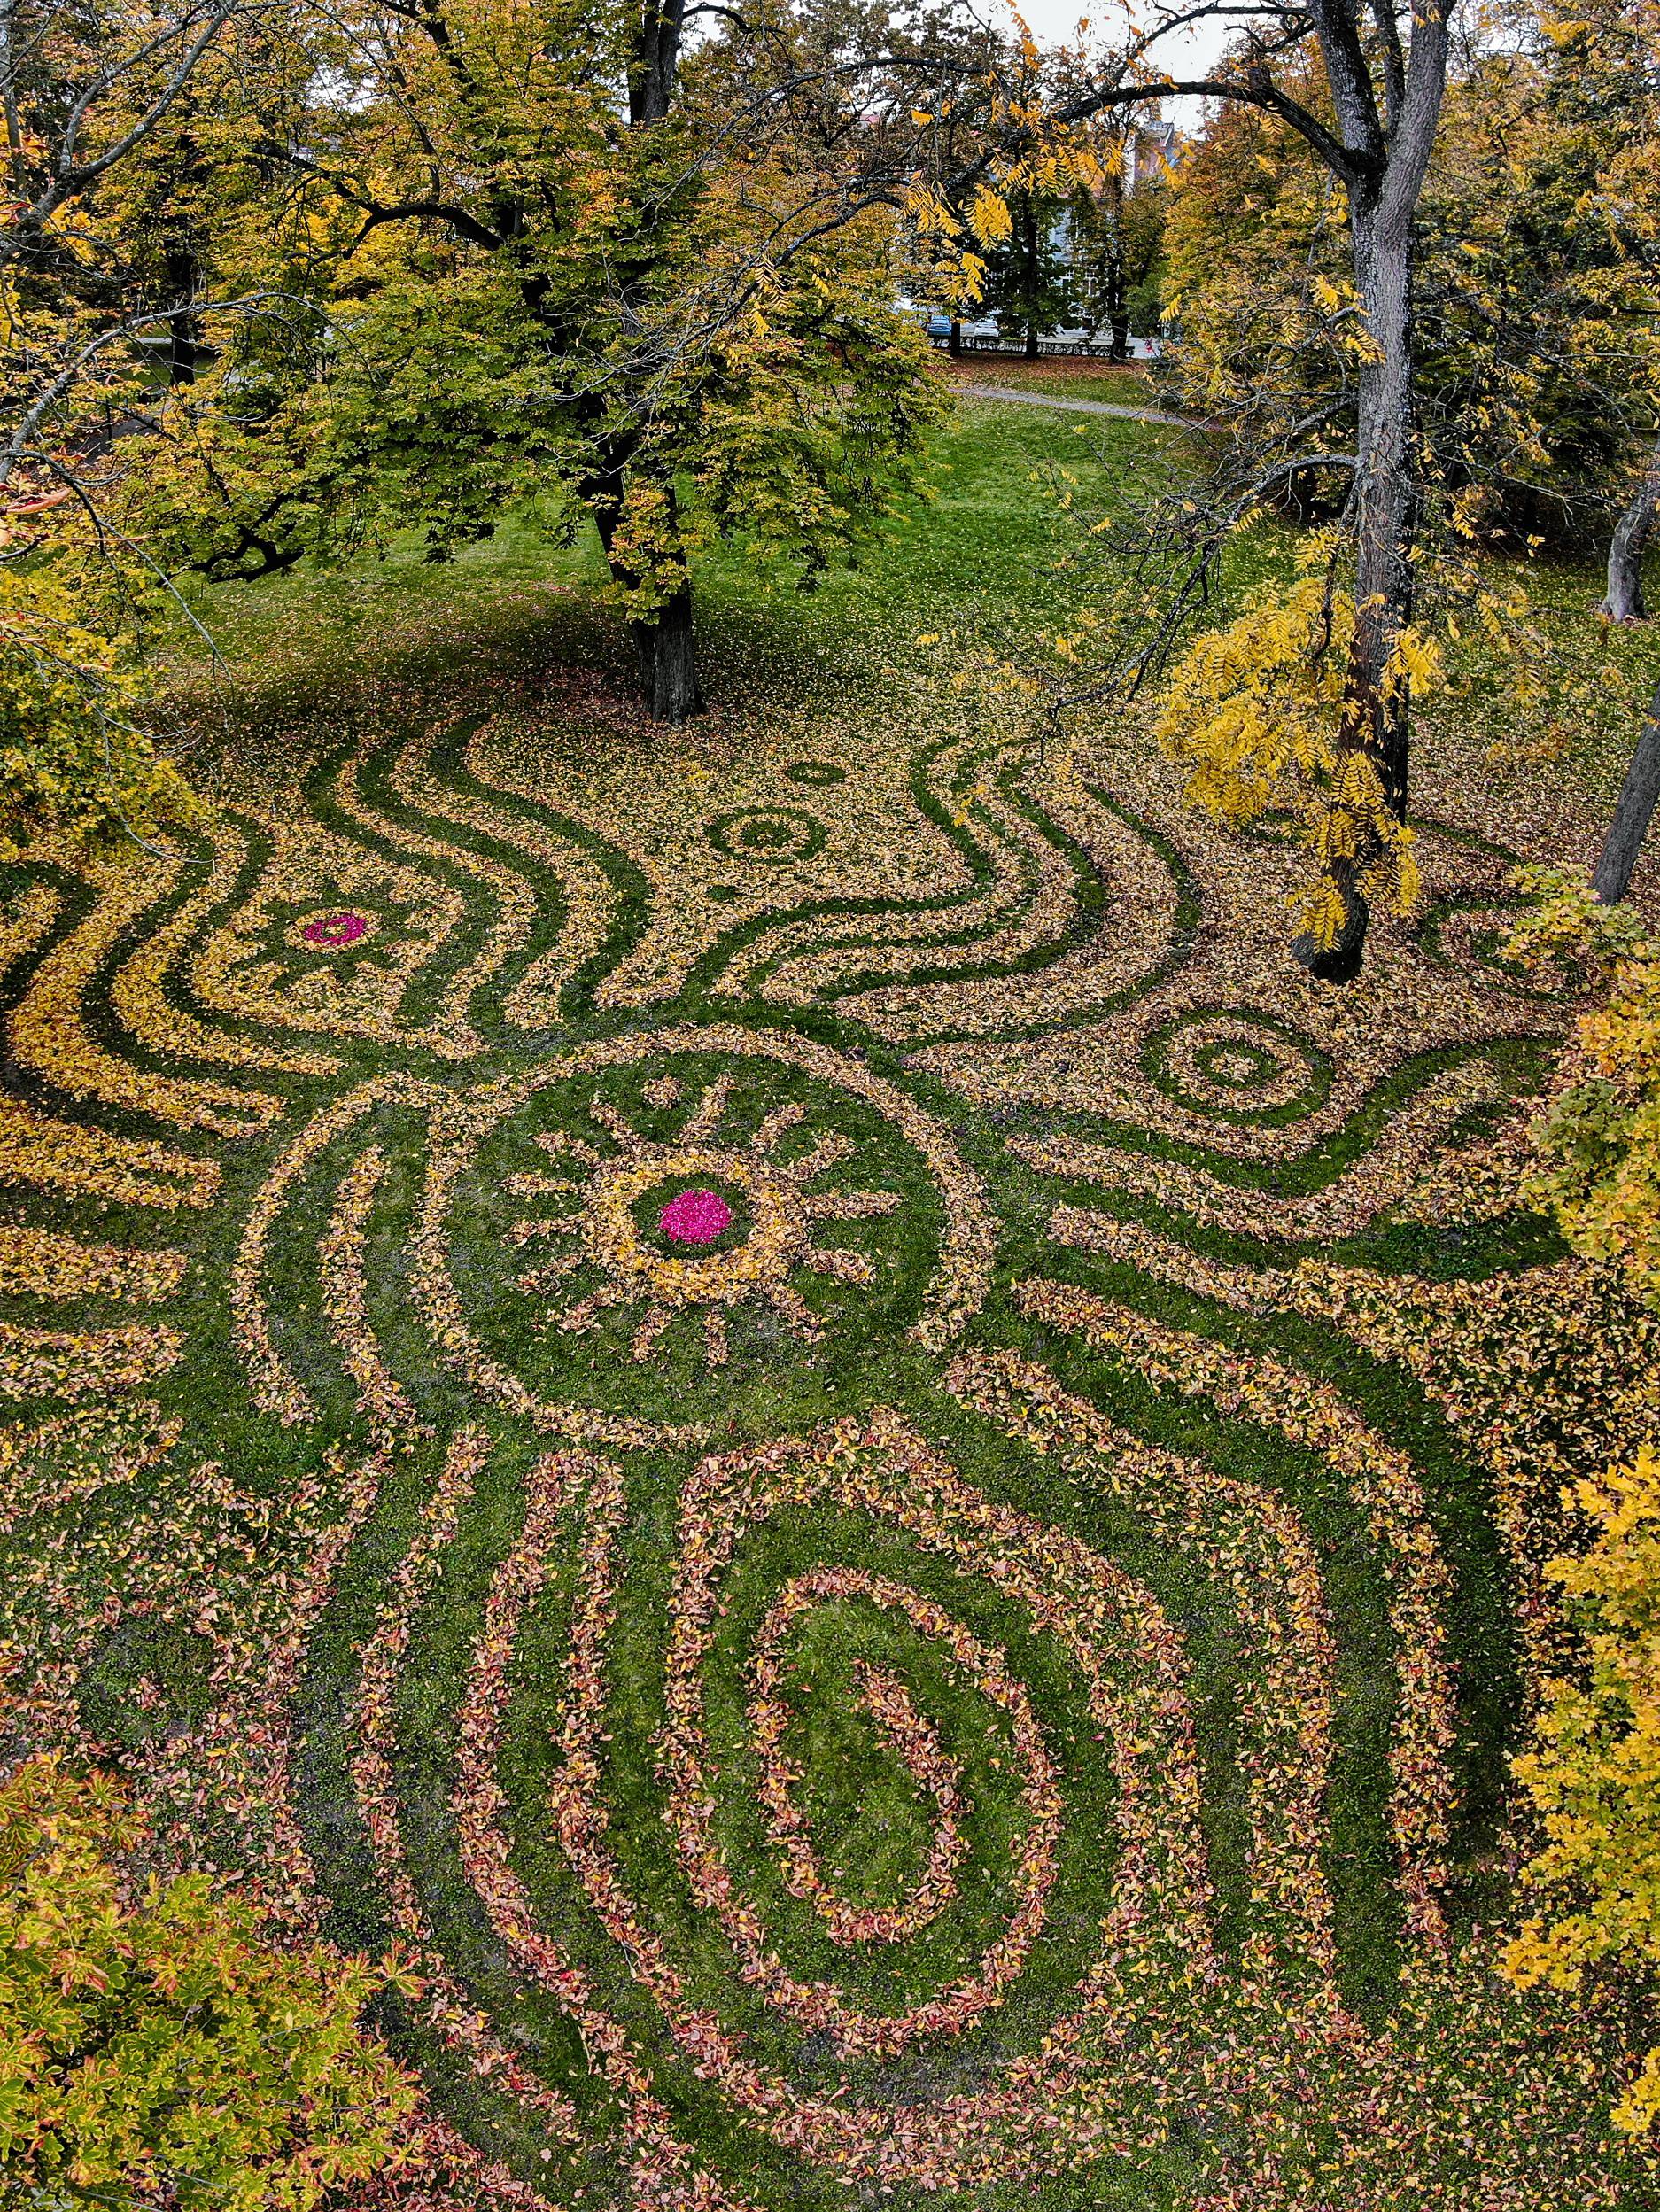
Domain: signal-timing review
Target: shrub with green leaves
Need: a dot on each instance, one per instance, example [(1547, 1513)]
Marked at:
[(155, 2050)]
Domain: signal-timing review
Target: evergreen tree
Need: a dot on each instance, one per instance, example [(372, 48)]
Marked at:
[(1029, 275), (1117, 241)]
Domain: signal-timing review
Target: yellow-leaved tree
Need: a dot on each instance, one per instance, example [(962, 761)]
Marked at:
[(1596, 1144), (1255, 712), (1595, 1774)]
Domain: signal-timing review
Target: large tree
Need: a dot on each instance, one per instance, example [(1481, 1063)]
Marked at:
[(1434, 354), (1115, 239), (1029, 274), (106, 108), (584, 251), (1361, 84), (1537, 343)]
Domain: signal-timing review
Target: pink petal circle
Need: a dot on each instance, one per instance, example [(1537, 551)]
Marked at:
[(695, 1217), (335, 929)]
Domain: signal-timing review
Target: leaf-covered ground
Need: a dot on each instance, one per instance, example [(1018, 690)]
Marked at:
[(786, 1396)]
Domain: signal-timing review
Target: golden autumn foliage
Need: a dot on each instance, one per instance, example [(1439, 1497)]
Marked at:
[(72, 755), (1594, 1776), (1252, 712), (1535, 349), (1597, 1144), (153, 2047)]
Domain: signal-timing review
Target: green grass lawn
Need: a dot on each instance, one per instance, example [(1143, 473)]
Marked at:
[(981, 556), (1067, 377), (979, 549), (981, 1670)]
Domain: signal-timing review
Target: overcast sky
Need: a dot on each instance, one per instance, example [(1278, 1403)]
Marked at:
[(1190, 54)]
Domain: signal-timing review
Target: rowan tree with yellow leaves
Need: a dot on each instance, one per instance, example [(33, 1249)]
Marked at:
[(1594, 1776), (1254, 712), (1405, 307)]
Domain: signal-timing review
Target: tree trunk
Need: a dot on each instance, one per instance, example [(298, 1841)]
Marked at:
[(9, 98), (1385, 507), (1375, 715), (957, 337), (1031, 279), (1632, 811), (1118, 289), (1632, 533), (665, 647), (667, 660), (181, 267), (653, 79), (184, 330)]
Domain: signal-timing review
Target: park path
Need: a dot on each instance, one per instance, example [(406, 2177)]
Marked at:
[(1073, 407)]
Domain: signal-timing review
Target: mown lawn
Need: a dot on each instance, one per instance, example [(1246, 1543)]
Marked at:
[(977, 556), (987, 1672)]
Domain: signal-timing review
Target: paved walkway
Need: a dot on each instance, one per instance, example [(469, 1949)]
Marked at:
[(1074, 407)]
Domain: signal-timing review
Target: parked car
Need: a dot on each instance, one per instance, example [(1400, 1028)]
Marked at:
[(982, 328)]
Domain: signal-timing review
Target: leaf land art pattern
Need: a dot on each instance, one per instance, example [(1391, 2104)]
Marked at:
[(818, 1427)]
